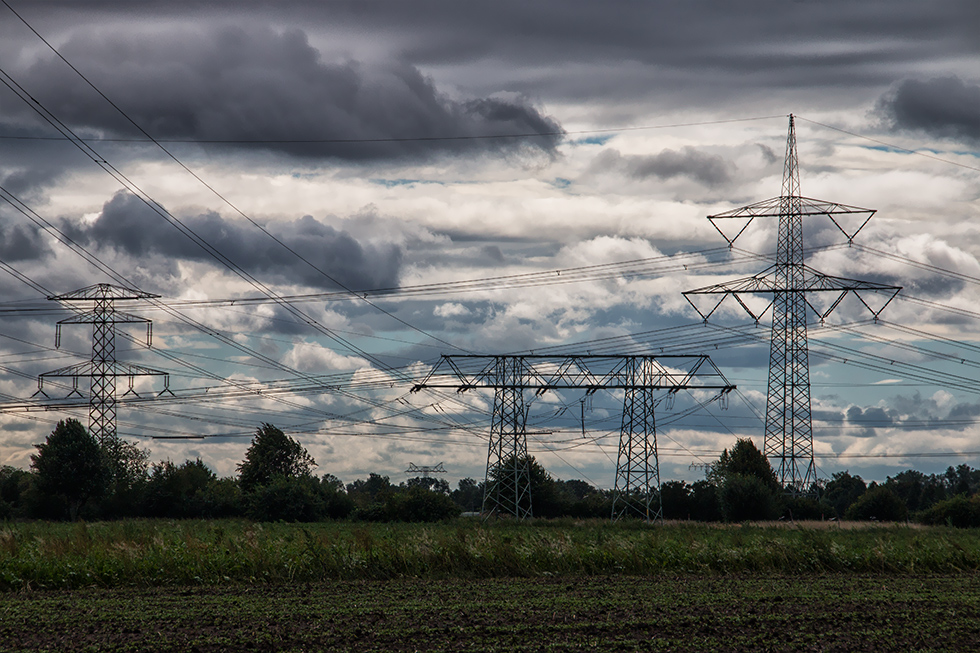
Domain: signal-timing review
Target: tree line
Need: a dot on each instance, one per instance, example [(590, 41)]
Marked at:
[(73, 477)]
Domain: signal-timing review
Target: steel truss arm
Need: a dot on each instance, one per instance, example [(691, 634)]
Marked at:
[(768, 283), (586, 372)]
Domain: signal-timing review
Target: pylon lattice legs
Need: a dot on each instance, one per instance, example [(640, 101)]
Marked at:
[(508, 484), (102, 399), (637, 489)]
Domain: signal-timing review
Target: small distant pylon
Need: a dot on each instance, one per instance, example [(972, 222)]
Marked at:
[(103, 369), (425, 471)]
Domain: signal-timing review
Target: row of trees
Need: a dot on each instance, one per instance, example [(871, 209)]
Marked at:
[(73, 477)]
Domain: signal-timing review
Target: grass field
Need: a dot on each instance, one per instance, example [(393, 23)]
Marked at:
[(161, 553), (466, 586)]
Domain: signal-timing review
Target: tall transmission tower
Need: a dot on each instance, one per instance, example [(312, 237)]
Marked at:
[(789, 431), (508, 484), (103, 369)]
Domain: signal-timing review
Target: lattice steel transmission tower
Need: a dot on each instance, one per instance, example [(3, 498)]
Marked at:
[(508, 484), (103, 369), (425, 471), (789, 432)]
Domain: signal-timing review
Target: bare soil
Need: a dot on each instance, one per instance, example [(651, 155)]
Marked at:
[(681, 613)]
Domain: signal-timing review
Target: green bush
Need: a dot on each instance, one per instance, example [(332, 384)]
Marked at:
[(421, 505), (287, 498), (878, 504), (69, 466), (807, 508), (675, 499), (748, 498), (843, 490), (958, 511), (705, 503), (416, 504)]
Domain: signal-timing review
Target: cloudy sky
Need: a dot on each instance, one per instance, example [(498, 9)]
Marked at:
[(393, 149)]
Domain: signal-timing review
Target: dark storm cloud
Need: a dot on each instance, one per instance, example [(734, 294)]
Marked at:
[(19, 242), (666, 53), (128, 226), (29, 166), (709, 169), (946, 107), (235, 83)]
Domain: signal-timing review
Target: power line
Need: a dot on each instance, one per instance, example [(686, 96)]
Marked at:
[(891, 145)]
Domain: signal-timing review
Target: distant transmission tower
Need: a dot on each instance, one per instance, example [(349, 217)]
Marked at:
[(789, 433), (103, 369), (425, 471), (508, 484)]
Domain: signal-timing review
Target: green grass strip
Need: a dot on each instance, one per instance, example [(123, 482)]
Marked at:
[(161, 553)]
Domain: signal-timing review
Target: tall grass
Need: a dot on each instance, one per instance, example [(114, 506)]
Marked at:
[(145, 553)]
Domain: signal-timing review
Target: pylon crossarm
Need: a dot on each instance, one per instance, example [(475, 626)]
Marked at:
[(731, 241), (875, 313), (102, 291), (851, 237), (808, 206), (591, 372), (115, 317), (763, 282), (710, 313), (422, 384), (748, 310), (825, 314), (113, 369), (818, 281)]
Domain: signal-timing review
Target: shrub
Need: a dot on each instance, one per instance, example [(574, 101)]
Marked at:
[(958, 511), (748, 498), (469, 495), (421, 505), (14, 484), (70, 466), (705, 503), (178, 491), (745, 459), (675, 499), (287, 498), (843, 490), (879, 503), (801, 507), (224, 498), (273, 453)]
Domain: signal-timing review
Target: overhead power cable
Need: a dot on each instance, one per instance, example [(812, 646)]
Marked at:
[(891, 145), (45, 114)]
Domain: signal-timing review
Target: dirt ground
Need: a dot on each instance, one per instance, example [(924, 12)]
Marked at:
[(683, 613)]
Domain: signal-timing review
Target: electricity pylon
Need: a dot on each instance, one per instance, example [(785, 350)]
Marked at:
[(103, 368), (508, 484), (789, 432), (425, 471)]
